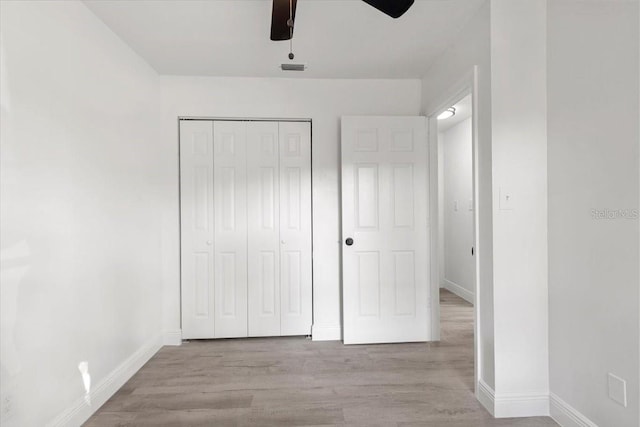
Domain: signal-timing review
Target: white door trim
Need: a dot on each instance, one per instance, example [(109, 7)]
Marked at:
[(467, 85), (240, 119)]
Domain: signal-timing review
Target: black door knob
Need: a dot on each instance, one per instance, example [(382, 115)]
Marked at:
[(349, 241)]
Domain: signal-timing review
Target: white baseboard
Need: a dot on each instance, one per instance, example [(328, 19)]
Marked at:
[(172, 337), (85, 406), (458, 290), (566, 415), (486, 396), (512, 405), (327, 332)]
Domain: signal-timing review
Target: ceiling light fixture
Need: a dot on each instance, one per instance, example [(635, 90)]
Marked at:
[(449, 112)]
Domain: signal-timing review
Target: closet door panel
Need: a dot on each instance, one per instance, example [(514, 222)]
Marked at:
[(230, 201), (295, 228), (246, 228), (263, 216), (196, 228)]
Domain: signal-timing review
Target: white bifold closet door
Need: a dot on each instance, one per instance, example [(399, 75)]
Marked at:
[(295, 228), (263, 166), (230, 228), (246, 228), (196, 229)]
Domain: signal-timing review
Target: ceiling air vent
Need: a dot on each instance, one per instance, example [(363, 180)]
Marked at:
[(293, 67)]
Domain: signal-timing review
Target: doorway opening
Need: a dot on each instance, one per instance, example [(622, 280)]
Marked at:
[(456, 269), (454, 222), (455, 197)]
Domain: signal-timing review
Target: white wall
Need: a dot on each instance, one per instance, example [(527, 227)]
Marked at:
[(459, 265), (324, 101), (472, 48), (593, 164), (79, 197), (519, 163)]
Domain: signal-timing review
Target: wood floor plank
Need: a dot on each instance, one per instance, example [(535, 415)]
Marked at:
[(293, 381)]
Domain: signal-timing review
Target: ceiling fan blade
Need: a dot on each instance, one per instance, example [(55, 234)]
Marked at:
[(279, 17), (393, 8)]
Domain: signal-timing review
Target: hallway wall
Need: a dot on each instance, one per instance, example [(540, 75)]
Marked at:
[(459, 264)]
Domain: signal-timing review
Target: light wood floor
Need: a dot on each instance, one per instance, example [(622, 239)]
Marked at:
[(293, 381)]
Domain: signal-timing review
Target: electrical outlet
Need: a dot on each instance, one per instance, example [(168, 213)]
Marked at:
[(470, 205), (455, 206), (617, 389)]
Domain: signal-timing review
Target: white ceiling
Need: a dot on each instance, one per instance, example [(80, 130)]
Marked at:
[(335, 38), (464, 108)]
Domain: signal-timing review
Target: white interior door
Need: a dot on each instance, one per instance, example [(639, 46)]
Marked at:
[(196, 213), (295, 228), (230, 237), (263, 216), (384, 212)]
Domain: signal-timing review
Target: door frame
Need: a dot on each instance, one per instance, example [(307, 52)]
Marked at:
[(242, 119), (468, 85)]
